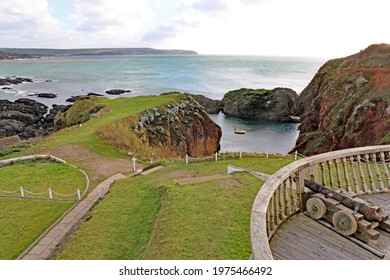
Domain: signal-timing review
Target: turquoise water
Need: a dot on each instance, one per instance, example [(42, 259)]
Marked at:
[(211, 76)]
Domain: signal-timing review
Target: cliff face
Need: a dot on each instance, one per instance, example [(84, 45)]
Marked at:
[(273, 105), (168, 131), (347, 104)]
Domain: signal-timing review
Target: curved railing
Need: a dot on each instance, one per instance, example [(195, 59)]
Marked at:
[(358, 171)]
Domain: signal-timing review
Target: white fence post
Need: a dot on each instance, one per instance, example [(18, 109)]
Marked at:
[(216, 157), (134, 160), (186, 158), (21, 192), (296, 155), (50, 194), (240, 155), (267, 153), (78, 194)]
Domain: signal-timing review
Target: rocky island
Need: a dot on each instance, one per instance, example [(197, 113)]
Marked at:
[(347, 103), (261, 104), (258, 104)]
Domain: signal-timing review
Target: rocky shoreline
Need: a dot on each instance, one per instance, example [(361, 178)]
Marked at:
[(29, 119)]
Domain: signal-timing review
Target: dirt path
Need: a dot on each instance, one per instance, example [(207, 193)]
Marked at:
[(100, 167)]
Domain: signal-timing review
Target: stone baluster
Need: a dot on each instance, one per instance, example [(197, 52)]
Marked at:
[(292, 194), (383, 158), (369, 172), (361, 173), (338, 176), (323, 174), (275, 210), (377, 172), (329, 163), (279, 193), (354, 177), (346, 176), (286, 202)]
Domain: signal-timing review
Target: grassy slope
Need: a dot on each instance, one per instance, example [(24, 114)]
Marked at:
[(151, 217), (120, 108), (40, 215), (85, 135), (39, 178), (22, 221)]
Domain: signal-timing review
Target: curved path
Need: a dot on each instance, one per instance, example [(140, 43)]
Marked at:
[(50, 240)]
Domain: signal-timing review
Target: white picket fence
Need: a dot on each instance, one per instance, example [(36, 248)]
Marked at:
[(231, 155)]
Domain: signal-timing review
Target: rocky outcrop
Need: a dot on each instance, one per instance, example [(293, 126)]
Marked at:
[(6, 81), (46, 95), (83, 109), (261, 104), (117, 91), (26, 118), (347, 103), (179, 128), (12, 56), (211, 106)]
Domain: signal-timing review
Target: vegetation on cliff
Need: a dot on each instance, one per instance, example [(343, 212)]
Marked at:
[(347, 103)]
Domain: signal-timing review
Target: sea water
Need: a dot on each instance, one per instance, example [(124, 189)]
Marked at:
[(212, 76)]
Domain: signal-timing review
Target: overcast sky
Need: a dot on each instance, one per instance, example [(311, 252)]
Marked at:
[(324, 28)]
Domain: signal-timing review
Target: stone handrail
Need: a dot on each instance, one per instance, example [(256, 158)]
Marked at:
[(359, 170)]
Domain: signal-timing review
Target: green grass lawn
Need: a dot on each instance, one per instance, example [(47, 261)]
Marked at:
[(151, 217), (23, 221), (38, 178), (143, 217)]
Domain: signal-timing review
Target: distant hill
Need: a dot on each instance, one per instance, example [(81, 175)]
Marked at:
[(11, 55), (15, 53)]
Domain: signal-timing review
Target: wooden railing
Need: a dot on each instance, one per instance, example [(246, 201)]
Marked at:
[(358, 171)]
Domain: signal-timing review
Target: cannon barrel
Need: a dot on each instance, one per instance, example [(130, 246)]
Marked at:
[(370, 213)]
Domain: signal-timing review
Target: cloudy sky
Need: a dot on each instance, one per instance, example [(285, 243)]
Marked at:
[(325, 28)]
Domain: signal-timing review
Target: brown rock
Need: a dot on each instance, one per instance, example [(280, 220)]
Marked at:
[(347, 103)]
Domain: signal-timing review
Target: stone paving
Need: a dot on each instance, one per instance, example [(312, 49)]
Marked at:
[(53, 237)]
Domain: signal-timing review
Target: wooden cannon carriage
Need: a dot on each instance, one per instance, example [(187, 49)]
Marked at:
[(348, 215)]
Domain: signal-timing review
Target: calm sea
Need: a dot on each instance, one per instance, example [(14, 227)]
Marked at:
[(211, 76)]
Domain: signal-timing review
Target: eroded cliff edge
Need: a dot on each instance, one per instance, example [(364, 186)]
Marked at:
[(347, 103)]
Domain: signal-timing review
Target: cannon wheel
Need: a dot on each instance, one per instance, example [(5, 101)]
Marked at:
[(345, 222), (316, 207)]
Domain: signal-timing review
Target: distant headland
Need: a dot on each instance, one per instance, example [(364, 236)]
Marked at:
[(21, 53)]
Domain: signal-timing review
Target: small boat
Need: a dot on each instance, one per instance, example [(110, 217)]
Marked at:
[(239, 131)]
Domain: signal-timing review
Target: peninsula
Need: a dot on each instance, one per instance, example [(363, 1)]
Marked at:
[(22, 53)]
